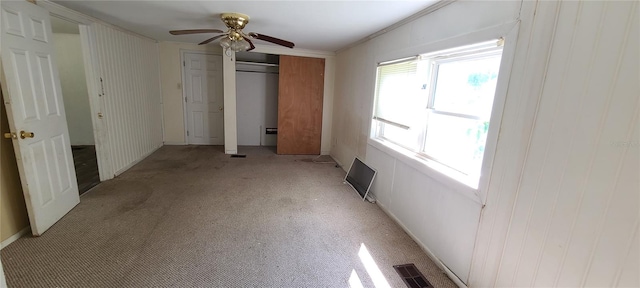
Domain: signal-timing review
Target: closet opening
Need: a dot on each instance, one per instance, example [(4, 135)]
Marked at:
[(257, 77)]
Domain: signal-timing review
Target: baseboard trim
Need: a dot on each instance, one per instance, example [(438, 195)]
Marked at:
[(170, 143), (142, 157), (15, 237), (430, 254)]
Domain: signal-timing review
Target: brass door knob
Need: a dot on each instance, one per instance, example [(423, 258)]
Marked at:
[(10, 135), (24, 135)]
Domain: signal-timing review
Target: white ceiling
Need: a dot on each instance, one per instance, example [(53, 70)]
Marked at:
[(318, 25)]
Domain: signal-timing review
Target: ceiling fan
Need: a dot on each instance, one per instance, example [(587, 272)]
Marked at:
[(234, 38)]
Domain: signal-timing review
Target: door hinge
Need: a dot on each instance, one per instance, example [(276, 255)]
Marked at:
[(184, 63), (101, 87), (187, 132), (185, 99)]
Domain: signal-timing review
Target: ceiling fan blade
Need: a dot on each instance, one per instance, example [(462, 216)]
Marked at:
[(250, 43), (194, 31), (211, 39), (272, 39)]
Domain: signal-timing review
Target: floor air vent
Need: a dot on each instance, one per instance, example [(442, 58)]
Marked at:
[(411, 276), (238, 156)]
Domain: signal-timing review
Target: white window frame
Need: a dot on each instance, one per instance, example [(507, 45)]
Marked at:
[(475, 51)]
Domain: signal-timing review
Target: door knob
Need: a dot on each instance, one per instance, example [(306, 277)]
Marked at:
[(24, 135), (220, 108), (10, 136)]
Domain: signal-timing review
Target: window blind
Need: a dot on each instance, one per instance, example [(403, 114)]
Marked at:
[(397, 89)]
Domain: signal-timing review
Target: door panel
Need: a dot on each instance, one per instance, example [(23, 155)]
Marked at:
[(301, 89), (203, 75), (33, 100)]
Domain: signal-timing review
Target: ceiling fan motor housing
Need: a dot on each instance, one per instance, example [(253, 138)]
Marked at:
[(235, 21)]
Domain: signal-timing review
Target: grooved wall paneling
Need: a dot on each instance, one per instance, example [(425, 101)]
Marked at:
[(131, 104)]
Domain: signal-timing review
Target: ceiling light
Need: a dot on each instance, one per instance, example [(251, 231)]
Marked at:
[(235, 45)]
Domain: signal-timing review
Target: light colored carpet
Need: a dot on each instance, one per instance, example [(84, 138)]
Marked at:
[(190, 216)]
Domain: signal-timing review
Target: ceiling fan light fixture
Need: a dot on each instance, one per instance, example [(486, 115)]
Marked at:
[(239, 45), (234, 45), (225, 43)]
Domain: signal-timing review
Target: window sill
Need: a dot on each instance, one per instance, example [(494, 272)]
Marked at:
[(432, 169)]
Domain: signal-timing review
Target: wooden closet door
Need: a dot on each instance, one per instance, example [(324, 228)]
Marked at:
[(301, 88)]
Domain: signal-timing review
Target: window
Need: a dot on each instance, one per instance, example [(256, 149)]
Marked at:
[(438, 105)]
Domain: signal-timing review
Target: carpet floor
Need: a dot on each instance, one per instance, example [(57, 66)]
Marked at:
[(190, 216)]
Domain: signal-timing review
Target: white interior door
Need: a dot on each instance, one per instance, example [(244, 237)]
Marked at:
[(33, 99), (204, 99)]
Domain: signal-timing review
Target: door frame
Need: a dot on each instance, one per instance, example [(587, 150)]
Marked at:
[(183, 72), (326, 138), (91, 67)]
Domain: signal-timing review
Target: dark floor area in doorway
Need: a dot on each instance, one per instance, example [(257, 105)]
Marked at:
[(86, 163)]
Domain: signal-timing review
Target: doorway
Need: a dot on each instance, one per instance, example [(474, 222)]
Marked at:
[(75, 94), (257, 76), (204, 98)]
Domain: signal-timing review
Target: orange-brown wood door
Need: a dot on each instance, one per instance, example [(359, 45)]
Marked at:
[(301, 88)]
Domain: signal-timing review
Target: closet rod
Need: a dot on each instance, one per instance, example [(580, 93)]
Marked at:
[(257, 63)]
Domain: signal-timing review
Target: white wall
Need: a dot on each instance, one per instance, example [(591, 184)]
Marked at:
[(441, 215), (230, 108), (257, 107), (74, 88), (563, 201), (174, 132), (131, 104)]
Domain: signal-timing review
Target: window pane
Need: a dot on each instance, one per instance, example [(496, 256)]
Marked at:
[(456, 142), (467, 86), (409, 139), (399, 93)]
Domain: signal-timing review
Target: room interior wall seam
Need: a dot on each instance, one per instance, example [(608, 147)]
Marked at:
[(490, 221), (160, 92), (531, 130)]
